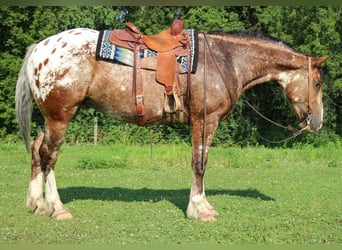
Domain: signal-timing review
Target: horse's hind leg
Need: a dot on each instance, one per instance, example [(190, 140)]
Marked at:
[(44, 156), (35, 200), (48, 152)]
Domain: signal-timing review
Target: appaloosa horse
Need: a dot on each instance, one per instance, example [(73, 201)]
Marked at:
[(61, 73)]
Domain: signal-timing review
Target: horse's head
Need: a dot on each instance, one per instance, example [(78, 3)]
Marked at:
[(303, 89)]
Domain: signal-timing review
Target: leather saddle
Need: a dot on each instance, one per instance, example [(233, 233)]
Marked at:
[(168, 44), (161, 42)]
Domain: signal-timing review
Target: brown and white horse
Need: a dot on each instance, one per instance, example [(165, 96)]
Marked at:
[(61, 73)]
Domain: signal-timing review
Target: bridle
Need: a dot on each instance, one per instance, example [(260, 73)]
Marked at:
[(295, 132), (310, 91)]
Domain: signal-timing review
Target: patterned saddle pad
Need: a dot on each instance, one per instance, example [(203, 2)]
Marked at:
[(107, 51)]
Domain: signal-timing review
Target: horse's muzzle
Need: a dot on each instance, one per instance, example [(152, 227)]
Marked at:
[(316, 125), (311, 123)]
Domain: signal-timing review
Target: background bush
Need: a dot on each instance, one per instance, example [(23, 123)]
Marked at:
[(315, 30)]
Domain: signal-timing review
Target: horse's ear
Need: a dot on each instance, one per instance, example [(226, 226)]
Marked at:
[(316, 62)]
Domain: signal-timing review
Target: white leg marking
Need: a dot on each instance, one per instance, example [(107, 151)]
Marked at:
[(195, 205), (54, 205), (34, 200), (199, 208)]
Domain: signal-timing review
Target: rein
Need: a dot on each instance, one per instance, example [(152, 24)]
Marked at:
[(204, 131), (233, 100), (295, 132)]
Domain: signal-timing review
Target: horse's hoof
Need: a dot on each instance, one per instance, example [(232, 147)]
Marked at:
[(40, 211), (207, 217), (213, 212), (63, 215)]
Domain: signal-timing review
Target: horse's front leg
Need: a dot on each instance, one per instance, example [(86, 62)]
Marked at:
[(199, 207)]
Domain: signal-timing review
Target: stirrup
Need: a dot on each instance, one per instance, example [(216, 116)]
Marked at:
[(173, 103)]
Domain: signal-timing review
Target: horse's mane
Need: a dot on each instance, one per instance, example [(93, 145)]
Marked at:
[(251, 34)]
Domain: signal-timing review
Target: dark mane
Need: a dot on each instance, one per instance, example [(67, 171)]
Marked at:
[(250, 34)]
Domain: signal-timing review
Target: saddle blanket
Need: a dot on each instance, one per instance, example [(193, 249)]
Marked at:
[(107, 51)]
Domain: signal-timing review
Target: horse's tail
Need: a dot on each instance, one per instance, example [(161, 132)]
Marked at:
[(23, 100)]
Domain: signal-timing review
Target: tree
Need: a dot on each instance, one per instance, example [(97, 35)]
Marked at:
[(315, 30)]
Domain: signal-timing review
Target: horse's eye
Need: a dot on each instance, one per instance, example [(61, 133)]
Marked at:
[(317, 84)]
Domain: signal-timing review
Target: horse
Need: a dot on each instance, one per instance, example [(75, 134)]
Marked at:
[(62, 75)]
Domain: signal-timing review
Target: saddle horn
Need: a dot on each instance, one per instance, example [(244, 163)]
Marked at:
[(176, 24)]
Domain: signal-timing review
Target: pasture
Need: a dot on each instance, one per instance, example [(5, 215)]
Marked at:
[(124, 195)]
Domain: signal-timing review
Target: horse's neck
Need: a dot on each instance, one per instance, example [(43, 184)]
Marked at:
[(255, 61)]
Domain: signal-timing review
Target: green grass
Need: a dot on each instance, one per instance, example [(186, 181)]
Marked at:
[(120, 195)]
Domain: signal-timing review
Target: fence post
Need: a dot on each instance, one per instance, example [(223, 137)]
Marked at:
[(151, 143), (95, 130)]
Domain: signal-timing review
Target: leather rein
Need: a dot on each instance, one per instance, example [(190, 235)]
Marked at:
[(295, 132)]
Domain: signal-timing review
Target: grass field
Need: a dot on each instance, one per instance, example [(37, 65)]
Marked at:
[(122, 195)]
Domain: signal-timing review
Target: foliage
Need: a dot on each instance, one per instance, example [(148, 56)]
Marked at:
[(317, 31)]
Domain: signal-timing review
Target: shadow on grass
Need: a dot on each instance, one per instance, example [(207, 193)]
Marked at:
[(179, 197)]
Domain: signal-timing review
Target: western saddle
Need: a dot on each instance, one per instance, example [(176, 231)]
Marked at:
[(168, 44)]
